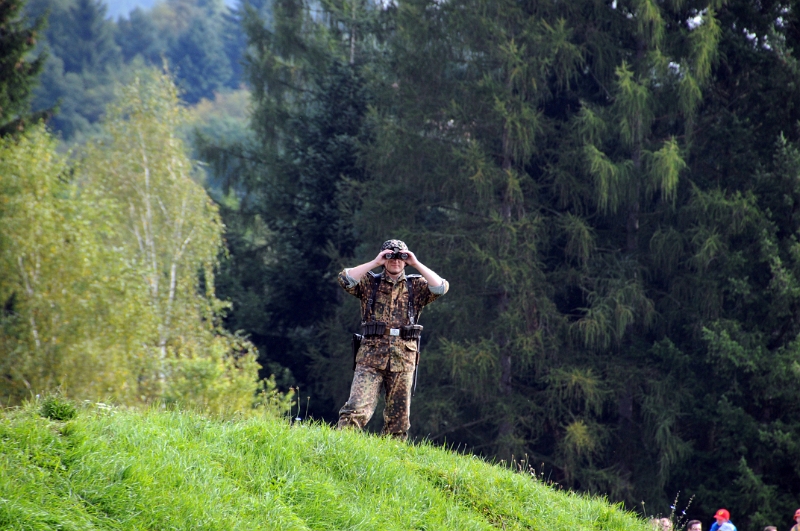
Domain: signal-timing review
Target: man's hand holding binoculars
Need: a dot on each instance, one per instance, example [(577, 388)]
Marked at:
[(387, 254), (394, 269)]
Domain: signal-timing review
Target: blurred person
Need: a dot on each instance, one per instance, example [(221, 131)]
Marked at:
[(723, 521), (694, 525), (796, 527), (661, 524)]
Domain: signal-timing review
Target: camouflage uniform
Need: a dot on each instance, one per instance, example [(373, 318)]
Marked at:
[(385, 361)]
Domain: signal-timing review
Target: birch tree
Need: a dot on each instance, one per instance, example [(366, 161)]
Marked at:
[(172, 234), (108, 258), (73, 317)]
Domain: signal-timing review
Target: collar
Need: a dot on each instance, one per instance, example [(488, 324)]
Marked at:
[(400, 278)]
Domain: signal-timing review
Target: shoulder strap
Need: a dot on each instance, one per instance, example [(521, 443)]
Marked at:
[(410, 287), (376, 279)]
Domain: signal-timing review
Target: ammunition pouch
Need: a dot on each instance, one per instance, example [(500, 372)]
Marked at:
[(373, 328), (411, 331), (378, 328)]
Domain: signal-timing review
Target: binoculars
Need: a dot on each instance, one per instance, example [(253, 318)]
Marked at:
[(398, 255)]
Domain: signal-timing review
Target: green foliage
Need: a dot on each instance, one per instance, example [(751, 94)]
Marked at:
[(55, 407), (18, 70), (139, 35), (83, 62), (70, 312), (198, 56), (88, 54), (82, 36), (110, 291), (131, 470), (174, 238), (623, 276), (294, 182), (223, 121), (610, 187), (174, 229), (218, 378)]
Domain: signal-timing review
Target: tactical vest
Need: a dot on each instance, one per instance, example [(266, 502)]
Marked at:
[(372, 328)]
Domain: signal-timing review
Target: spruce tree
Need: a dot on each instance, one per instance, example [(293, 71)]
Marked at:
[(294, 185), (18, 71), (138, 35), (540, 144), (83, 63), (727, 272), (610, 189), (82, 37), (198, 57)]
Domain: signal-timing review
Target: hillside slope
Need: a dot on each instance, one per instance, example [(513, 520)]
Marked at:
[(156, 470)]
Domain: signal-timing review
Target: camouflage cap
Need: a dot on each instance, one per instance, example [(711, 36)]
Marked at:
[(394, 245)]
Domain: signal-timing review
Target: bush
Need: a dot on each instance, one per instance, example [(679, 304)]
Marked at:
[(58, 408)]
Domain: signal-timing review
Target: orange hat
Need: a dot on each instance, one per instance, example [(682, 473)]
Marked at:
[(723, 513)]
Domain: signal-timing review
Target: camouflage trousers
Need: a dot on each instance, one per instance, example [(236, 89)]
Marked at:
[(367, 383)]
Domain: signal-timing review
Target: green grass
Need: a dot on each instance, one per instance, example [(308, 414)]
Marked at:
[(107, 468)]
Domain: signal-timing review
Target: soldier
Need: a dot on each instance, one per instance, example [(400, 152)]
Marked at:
[(386, 359)]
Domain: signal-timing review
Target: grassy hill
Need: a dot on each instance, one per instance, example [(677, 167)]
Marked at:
[(107, 468)]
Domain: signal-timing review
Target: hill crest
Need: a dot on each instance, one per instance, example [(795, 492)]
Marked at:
[(109, 468)]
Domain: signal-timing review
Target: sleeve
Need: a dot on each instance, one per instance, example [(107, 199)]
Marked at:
[(440, 289), (350, 280), (425, 294), (349, 284)]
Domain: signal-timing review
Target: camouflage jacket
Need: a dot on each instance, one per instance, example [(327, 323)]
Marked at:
[(390, 307)]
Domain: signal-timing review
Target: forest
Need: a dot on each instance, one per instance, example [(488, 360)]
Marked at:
[(611, 188)]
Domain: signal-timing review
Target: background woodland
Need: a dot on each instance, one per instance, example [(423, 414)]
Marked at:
[(611, 188)]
